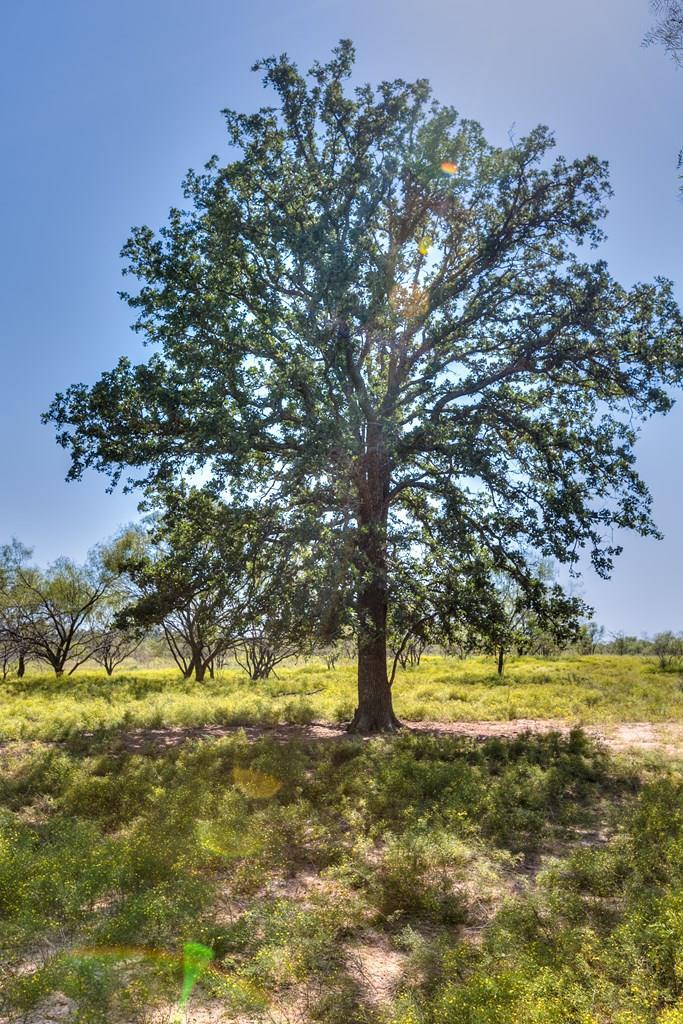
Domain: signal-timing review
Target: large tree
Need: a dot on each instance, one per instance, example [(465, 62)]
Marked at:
[(374, 313)]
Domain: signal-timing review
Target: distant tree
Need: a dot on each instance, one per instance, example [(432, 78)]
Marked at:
[(114, 641), (409, 654), (591, 636), (331, 656), (291, 605), (13, 646), (374, 315), (344, 648), (7, 653), (462, 645), (440, 593), (218, 577), (186, 578), (668, 649), (55, 612), (281, 606), (620, 642), (259, 652), (533, 616), (115, 645), (623, 644)]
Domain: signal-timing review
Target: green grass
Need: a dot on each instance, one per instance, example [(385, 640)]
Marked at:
[(537, 880), (598, 689)]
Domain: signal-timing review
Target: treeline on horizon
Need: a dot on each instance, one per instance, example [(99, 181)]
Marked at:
[(206, 585)]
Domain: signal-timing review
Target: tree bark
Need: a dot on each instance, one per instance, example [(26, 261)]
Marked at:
[(501, 660), (21, 667), (375, 713)]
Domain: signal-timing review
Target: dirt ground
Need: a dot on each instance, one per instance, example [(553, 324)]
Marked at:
[(664, 738)]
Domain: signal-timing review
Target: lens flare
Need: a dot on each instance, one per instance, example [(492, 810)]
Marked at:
[(255, 784), (196, 958), (195, 961), (409, 301), (448, 167)]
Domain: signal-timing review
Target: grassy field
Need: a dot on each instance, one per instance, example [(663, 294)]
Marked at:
[(597, 689), (415, 880)]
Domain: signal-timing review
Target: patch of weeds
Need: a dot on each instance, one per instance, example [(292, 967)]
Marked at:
[(280, 856)]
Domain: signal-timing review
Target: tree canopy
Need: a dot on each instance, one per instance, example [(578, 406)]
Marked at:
[(668, 30), (373, 314)]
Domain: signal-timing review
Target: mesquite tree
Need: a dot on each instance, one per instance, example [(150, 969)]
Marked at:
[(55, 612), (217, 577), (532, 617), (373, 313), (115, 645), (282, 609), (184, 576)]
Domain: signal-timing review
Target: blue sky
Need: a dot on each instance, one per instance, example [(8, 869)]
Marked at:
[(106, 105)]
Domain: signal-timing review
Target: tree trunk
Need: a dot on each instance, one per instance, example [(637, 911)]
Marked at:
[(199, 670), (501, 660), (21, 667), (375, 712)]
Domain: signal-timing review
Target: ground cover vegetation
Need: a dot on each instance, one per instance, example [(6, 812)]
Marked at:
[(413, 880)]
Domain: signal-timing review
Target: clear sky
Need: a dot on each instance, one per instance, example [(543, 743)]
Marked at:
[(106, 105)]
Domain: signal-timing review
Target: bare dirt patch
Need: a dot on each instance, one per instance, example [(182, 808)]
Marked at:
[(656, 737), (376, 967), (664, 737), (54, 1010)]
